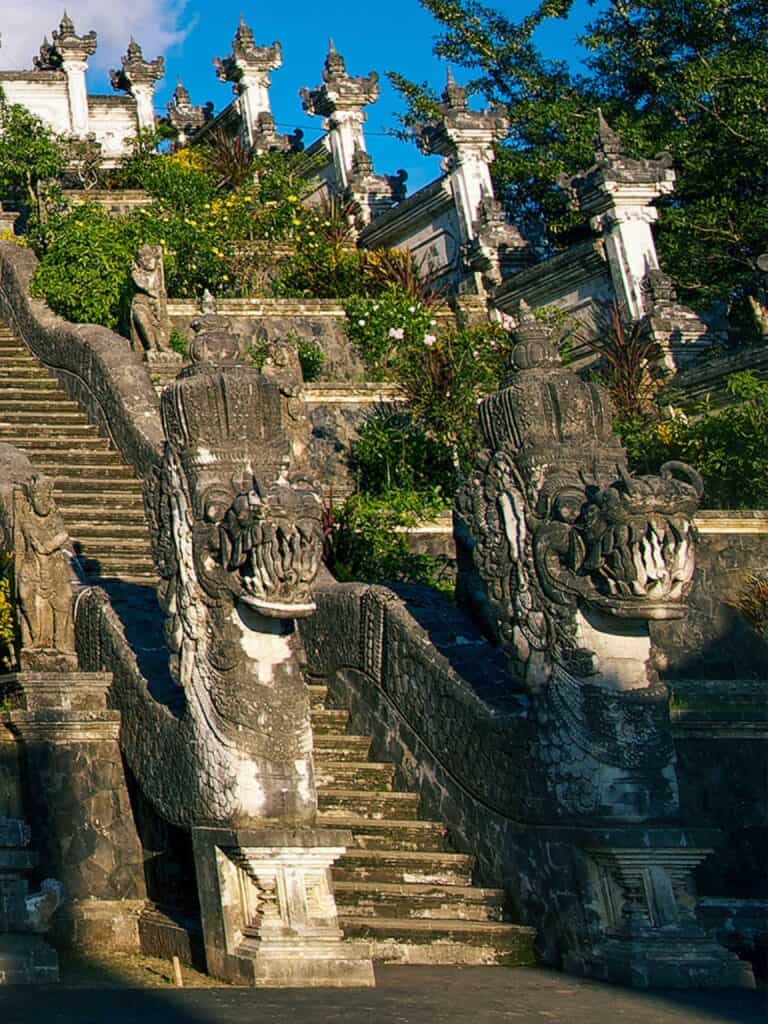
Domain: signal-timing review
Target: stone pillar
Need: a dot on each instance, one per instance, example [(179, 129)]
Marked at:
[(248, 68), (465, 139), (268, 911), (616, 193), (138, 78), (73, 52), (76, 797), (340, 100), (186, 117), (645, 899)]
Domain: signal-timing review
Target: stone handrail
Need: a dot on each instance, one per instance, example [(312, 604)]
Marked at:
[(95, 366)]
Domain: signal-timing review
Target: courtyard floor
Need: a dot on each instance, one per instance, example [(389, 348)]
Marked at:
[(141, 992)]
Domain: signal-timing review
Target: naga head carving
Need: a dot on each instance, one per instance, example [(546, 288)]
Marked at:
[(557, 526), (237, 529), (625, 547), (255, 518)]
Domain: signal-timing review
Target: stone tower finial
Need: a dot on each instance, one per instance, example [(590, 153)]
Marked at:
[(138, 77), (608, 144)]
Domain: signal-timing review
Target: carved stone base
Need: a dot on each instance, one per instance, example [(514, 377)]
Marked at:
[(99, 925), (68, 746), (647, 901), (268, 910), (679, 961)]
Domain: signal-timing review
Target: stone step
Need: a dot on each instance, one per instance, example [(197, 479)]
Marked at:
[(22, 372), (329, 721), (54, 412), (355, 775), (369, 804), (83, 473), (73, 430), (399, 866), (47, 402), (317, 695), (68, 446), (98, 492), (334, 747), (413, 901), (117, 530), (405, 941), (85, 457), (413, 835), (129, 567)]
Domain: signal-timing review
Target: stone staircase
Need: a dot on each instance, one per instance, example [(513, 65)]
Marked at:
[(401, 888), (97, 493)]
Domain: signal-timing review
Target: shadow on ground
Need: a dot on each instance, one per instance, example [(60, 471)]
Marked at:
[(404, 995)]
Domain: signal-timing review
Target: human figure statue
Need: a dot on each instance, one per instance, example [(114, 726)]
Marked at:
[(150, 326), (43, 583)]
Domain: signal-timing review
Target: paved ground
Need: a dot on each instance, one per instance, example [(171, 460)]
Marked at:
[(404, 995)]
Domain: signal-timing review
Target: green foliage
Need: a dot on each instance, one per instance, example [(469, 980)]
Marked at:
[(381, 326), (7, 614), (320, 270), (686, 76), (727, 447), (179, 343), (368, 543), (444, 377), (30, 156), (629, 354), (312, 359), (392, 453), (85, 273)]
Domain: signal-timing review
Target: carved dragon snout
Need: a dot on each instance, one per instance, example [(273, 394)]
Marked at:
[(630, 549), (270, 546)]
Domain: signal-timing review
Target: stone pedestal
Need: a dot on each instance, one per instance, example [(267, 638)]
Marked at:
[(651, 939), (268, 910), (76, 799), (25, 959)]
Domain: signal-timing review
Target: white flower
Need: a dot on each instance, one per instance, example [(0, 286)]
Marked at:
[(432, 323), (398, 333), (429, 340), (361, 323), (411, 309), (475, 353)]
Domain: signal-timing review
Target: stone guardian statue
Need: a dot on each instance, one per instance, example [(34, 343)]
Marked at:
[(43, 583), (150, 326)]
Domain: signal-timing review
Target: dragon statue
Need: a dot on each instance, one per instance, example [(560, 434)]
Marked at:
[(237, 535), (566, 557)]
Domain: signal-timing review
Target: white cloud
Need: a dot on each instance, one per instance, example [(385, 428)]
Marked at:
[(155, 24)]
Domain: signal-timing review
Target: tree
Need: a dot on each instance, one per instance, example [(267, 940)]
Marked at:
[(686, 76), (30, 156)]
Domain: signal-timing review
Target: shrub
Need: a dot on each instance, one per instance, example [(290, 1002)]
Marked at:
[(727, 446), (367, 543), (8, 630), (392, 453), (85, 272), (381, 326), (312, 359)]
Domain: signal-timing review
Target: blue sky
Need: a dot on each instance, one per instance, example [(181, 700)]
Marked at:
[(397, 35)]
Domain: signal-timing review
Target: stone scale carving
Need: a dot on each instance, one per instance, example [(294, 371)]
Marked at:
[(566, 557), (237, 534)]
